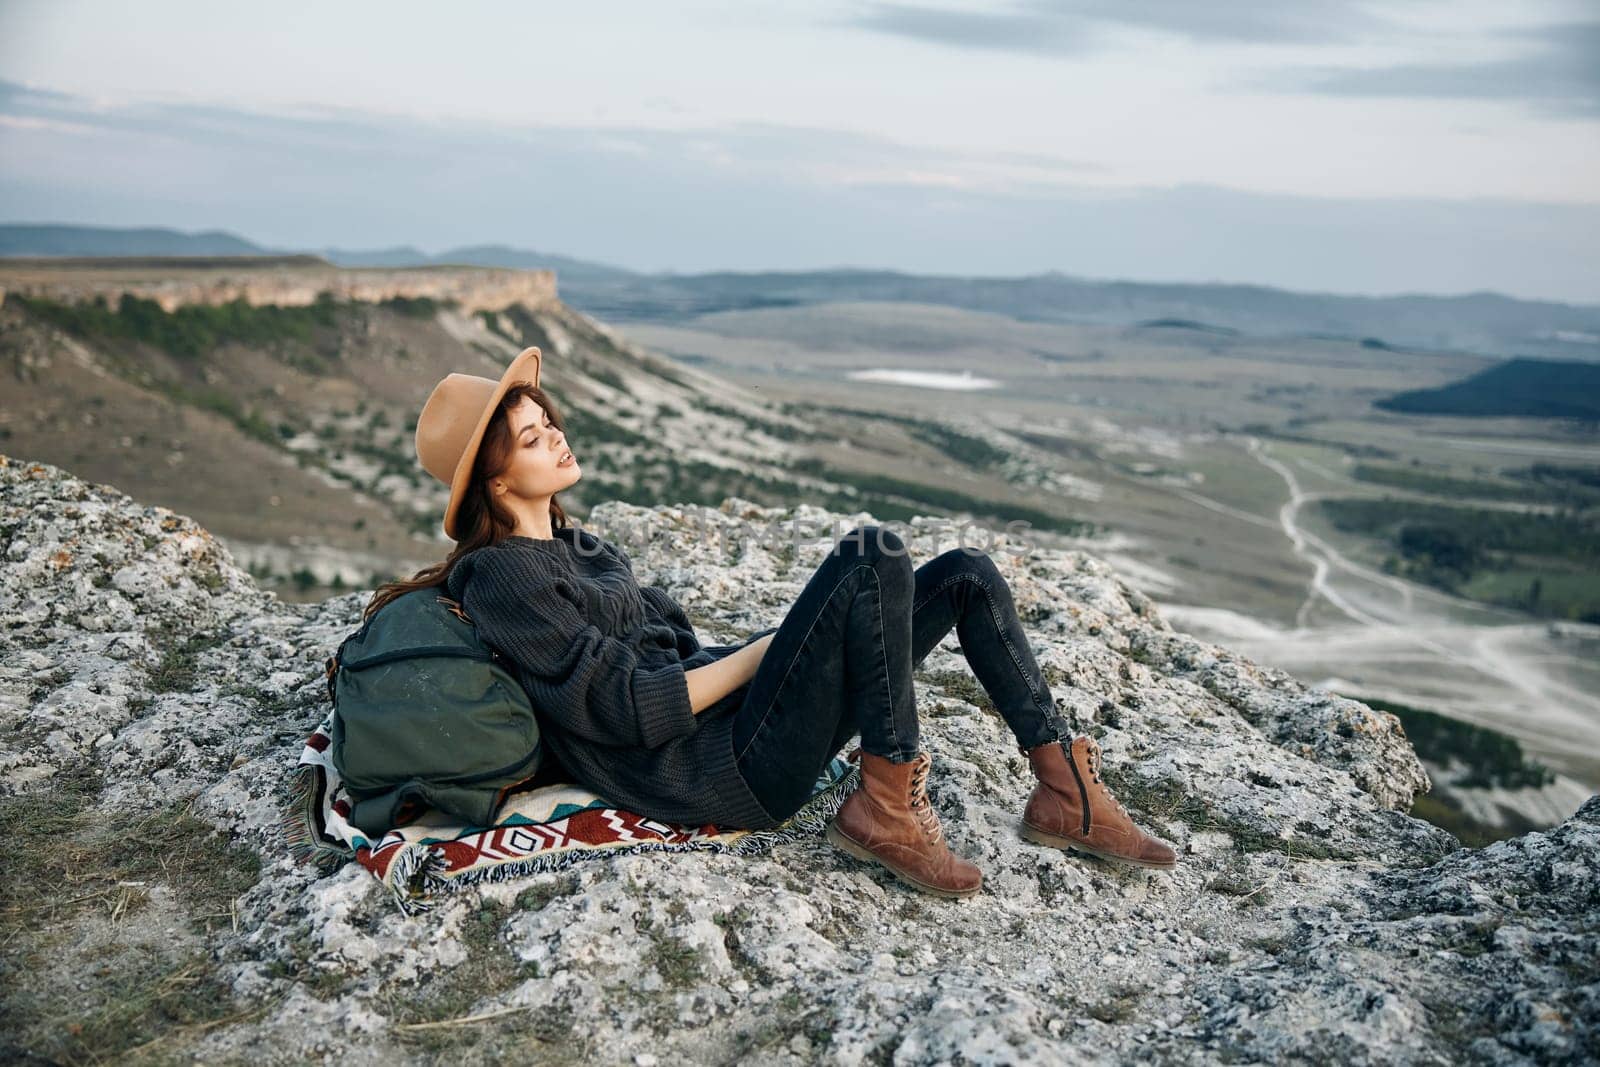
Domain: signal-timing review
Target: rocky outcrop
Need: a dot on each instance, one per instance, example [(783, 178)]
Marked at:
[(1309, 918), (289, 281)]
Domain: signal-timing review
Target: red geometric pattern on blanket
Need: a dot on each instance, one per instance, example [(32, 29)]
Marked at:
[(377, 861), (594, 828)]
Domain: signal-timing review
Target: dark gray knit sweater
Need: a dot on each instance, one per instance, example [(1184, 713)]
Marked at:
[(603, 661)]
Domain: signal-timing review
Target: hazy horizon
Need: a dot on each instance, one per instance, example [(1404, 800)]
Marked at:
[(562, 254)]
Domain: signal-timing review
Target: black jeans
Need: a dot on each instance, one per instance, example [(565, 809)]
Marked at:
[(842, 660)]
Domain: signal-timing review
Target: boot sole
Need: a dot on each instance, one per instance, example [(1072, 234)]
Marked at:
[(839, 840), (1039, 837)]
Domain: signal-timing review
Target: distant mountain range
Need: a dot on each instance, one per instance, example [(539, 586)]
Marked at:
[(49, 240), (1475, 322), (567, 269), (60, 240)]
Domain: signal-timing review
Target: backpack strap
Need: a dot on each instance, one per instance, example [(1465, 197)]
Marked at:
[(333, 669), (454, 608)]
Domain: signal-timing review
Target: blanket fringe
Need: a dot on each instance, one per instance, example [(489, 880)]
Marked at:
[(812, 818), (299, 823), (411, 872)]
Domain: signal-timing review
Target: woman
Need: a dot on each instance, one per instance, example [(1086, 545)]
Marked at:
[(636, 710)]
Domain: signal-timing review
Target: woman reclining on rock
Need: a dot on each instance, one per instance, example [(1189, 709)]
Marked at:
[(636, 710)]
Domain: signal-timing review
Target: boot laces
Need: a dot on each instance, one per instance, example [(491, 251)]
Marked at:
[(921, 806), (1094, 773)]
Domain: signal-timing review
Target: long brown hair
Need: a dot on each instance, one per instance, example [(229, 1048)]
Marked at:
[(481, 520)]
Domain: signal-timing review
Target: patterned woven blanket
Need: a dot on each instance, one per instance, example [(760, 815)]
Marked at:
[(539, 829)]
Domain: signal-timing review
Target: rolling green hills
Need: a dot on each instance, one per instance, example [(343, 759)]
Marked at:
[(1541, 388)]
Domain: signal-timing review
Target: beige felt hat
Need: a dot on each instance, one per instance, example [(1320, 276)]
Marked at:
[(452, 422)]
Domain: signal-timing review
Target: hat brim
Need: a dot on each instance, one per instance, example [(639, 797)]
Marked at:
[(524, 368)]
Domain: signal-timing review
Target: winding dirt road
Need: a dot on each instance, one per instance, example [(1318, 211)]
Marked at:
[(1535, 681)]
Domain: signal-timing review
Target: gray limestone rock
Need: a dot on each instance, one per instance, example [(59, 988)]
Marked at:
[(1309, 919)]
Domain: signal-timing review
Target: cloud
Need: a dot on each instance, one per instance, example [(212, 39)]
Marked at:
[(1040, 33), (15, 93), (1074, 27), (765, 151), (1557, 72), (1238, 21), (1560, 76), (198, 122)]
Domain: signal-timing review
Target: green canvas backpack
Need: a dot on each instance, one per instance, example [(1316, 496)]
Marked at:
[(426, 714)]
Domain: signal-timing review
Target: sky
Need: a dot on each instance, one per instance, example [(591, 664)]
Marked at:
[(1337, 146)]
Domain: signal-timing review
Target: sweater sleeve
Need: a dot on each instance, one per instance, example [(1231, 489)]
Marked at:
[(671, 612), (666, 609), (587, 682)]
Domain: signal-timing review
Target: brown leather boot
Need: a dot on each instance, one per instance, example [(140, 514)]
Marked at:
[(889, 820), (1072, 808)]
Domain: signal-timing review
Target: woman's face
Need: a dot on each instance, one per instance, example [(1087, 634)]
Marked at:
[(535, 471)]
